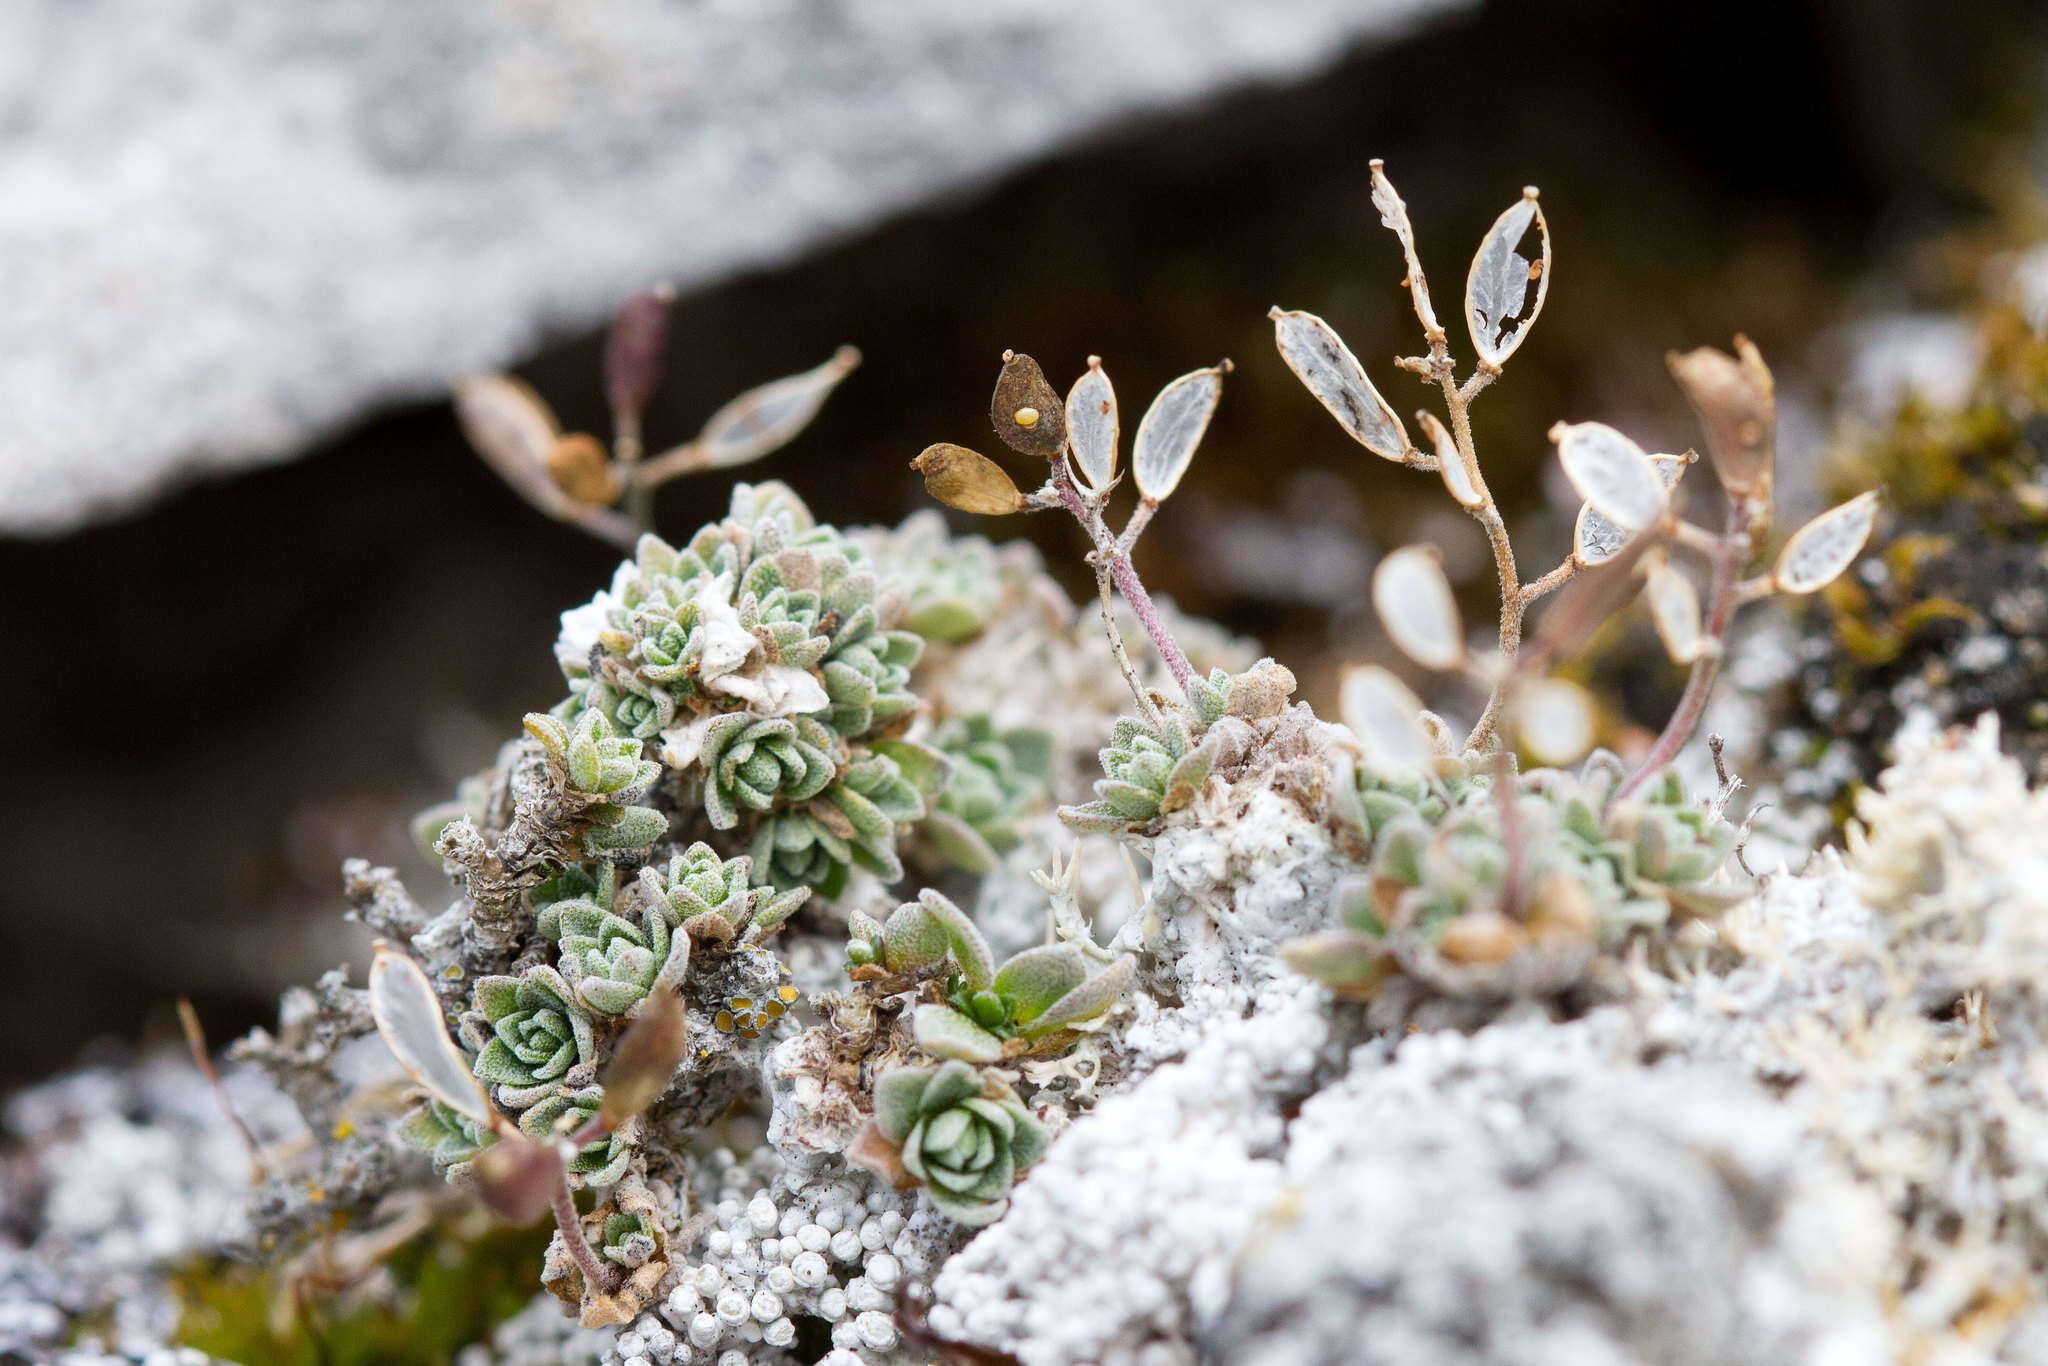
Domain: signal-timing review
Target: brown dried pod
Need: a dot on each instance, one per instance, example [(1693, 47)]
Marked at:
[(1027, 412), (967, 480), (633, 351), (645, 1061), (582, 469), (516, 1178), (1737, 403)]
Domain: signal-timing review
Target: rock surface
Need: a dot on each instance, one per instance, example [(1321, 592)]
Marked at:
[(230, 228)]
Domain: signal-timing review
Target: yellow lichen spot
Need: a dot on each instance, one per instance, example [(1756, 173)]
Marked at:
[(344, 1130), (773, 1010), (1027, 418), (789, 994), (750, 1033), (723, 1019), (452, 973), (315, 1194), (742, 1003)]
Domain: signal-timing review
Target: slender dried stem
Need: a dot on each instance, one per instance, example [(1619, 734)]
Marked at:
[(627, 449), (1722, 597), (1133, 529), (1120, 568), (202, 1058), (598, 1279), (684, 459), (1116, 644)]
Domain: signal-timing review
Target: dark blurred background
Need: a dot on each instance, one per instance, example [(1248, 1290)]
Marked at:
[(215, 700)]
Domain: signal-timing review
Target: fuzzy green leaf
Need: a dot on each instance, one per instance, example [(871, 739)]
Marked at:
[(946, 1033)]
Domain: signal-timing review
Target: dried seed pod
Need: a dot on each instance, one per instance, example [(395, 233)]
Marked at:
[(1611, 473), (1026, 411), (581, 468), (1416, 605), (1173, 427), (1387, 719), (1595, 540), (1818, 552), (409, 1016), (1092, 430), (516, 1178), (768, 417), (1554, 721), (1737, 403), (1675, 611), (967, 480), (1497, 289), (1321, 361), (510, 425), (1449, 463), (1591, 597), (644, 1063), (633, 352)]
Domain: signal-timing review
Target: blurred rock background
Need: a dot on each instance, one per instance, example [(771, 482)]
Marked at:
[(218, 694)]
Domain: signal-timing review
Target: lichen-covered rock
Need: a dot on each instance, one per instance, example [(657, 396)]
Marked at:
[(1533, 1194)]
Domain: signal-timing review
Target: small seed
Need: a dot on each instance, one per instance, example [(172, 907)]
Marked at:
[(1026, 417)]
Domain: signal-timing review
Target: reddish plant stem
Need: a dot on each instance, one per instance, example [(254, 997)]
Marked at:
[(597, 1278), (1126, 577), (1721, 601)]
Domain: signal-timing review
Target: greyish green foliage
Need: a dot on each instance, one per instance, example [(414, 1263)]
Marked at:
[(1591, 868), (959, 1138), (1030, 999), (998, 780), (1148, 771), (595, 762), (628, 1239), (714, 898), (608, 960), (451, 1138), (600, 1163), (768, 662), (527, 1032), (954, 583)]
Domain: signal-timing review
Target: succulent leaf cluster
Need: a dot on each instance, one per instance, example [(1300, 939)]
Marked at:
[(769, 663), (526, 1033), (609, 960), (957, 1132), (1148, 771), (597, 763), (998, 779), (715, 899), (599, 1163), (1589, 867), (988, 1012)]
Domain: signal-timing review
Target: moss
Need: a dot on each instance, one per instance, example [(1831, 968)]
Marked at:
[(1950, 612), (452, 1292)]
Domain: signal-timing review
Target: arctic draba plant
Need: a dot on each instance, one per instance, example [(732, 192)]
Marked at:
[(1470, 860), (765, 663), (572, 478), (1628, 521), (578, 1132)]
